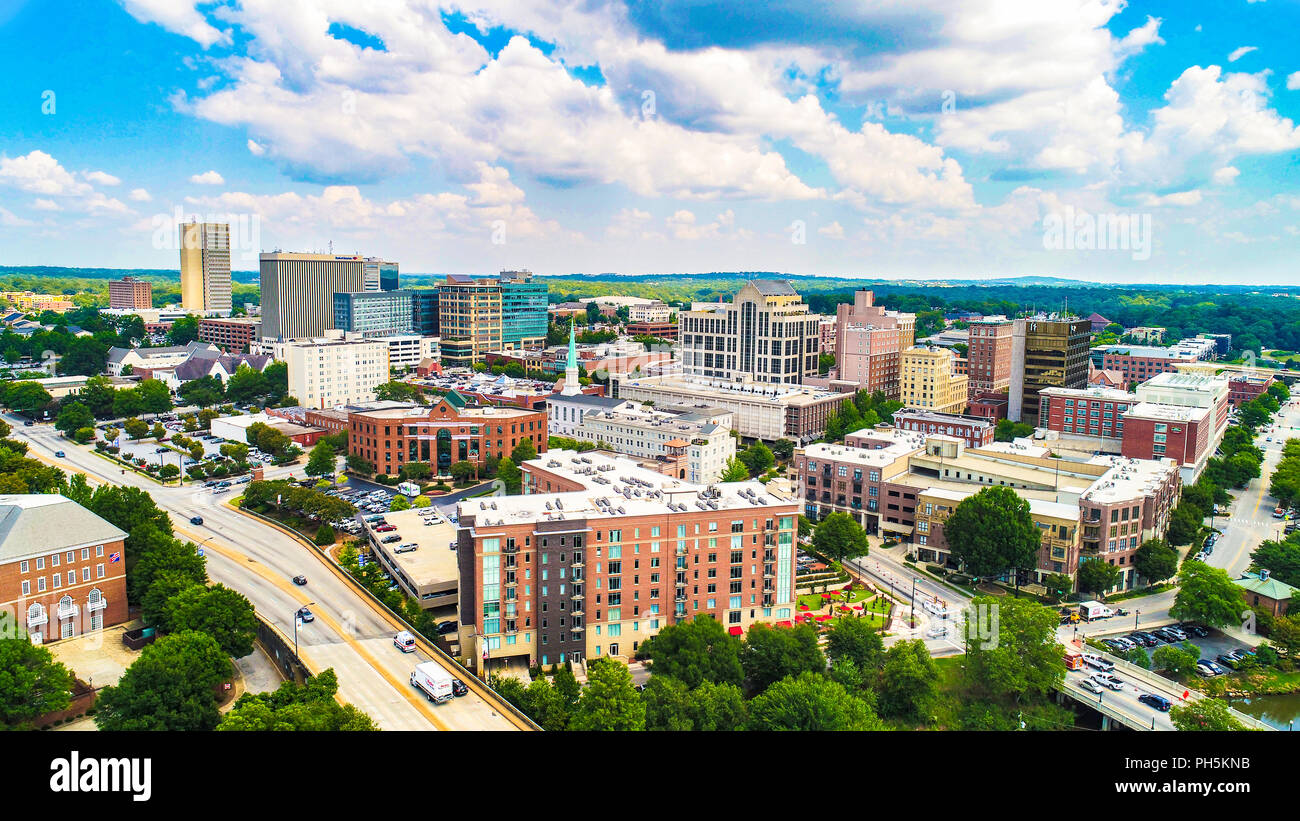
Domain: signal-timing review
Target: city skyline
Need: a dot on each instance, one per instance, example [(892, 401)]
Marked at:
[(913, 141)]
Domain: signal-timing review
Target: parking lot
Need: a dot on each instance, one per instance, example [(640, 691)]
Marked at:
[(1211, 646)]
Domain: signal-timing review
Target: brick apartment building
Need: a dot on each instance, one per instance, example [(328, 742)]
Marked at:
[(129, 293), (62, 568), (582, 567), (447, 432)]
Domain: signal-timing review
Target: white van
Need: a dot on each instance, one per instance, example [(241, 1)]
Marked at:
[(405, 641)]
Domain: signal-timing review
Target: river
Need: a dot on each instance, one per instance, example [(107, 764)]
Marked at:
[(1282, 712)]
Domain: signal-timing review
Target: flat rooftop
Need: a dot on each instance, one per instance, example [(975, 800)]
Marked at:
[(1166, 413), (1127, 478), (434, 562), (713, 389)]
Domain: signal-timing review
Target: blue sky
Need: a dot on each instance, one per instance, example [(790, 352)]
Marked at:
[(914, 138)]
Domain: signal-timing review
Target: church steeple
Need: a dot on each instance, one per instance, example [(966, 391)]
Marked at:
[(571, 385)]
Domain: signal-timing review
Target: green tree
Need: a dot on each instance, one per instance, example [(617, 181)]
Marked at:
[(73, 416), (416, 471), (1207, 594), (758, 458), (1007, 431), (171, 686), (155, 396), (1058, 584), (811, 702), (1178, 660), (27, 397), (696, 651), (855, 640), (667, 705), (1184, 524), (358, 464), (1097, 576), (32, 682), (839, 537), (609, 702), (204, 392), (421, 501), (462, 472), (735, 471), (718, 708), (1138, 656), (1026, 658), (783, 448), (308, 707), (127, 508), (395, 391), (246, 384), (85, 355), (1155, 560), (1204, 714), (218, 611), (909, 682), (184, 330), (136, 428), (155, 604), (992, 532), (98, 395), (523, 451), (510, 475), (400, 502), (161, 552), (322, 460), (770, 654), (545, 706)]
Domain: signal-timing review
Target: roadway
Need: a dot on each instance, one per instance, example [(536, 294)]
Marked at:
[(350, 634)]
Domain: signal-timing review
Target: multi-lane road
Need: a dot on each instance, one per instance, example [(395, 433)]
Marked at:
[(349, 634)]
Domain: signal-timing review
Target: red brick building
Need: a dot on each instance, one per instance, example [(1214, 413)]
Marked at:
[(62, 568), (977, 431), (232, 335), (988, 405), (1186, 435), (443, 434), (659, 330), (1245, 387), (129, 292), (988, 356)]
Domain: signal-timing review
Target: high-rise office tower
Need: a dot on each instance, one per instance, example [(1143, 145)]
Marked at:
[(374, 313), (298, 290), (205, 266), (1047, 351), (481, 314), (928, 380), (523, 310), (765, 334)]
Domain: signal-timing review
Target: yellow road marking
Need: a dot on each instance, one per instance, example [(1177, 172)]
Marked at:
[(293, 592)]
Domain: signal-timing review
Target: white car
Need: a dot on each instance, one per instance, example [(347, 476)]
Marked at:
[(936, 632)]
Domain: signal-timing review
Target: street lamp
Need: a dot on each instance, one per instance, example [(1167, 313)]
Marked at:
[(296, 619), (911, 607)]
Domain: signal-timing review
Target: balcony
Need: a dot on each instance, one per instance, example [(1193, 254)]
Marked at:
[(679, 598), (67, 611), (37, 621), (97, 604)]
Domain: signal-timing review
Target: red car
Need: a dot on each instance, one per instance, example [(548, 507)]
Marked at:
[(385, 529)]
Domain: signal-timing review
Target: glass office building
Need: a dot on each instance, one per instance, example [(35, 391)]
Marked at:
[(523, 310), (375, 313)]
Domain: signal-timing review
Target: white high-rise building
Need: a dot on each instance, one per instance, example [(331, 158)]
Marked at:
[(765, 334), (337, 369)]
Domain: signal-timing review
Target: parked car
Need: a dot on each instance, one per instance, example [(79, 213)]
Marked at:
[(446, 627), (459, 688), (1229, 661), (1158, 702), (1194, 629), (1143, 639), (408, 547), (1208, 668), (300, 580), (385, 528), (305, 614), (390, 538)]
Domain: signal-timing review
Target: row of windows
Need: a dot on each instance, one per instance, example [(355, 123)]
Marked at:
[(56, 580), (69, 557)]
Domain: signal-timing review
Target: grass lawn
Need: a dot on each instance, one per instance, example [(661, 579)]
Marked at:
[(1267, 681)]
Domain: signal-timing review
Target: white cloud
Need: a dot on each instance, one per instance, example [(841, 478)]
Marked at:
[(46, 205), (179, 16), (10, 220), (1238, 53), (633, 224), (39, 173), (101, 178), (834, 230), (255, 149), (1293, 81), (139, 195), (684, 225), (208, 178), (1226, 175), (1179, 198)]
